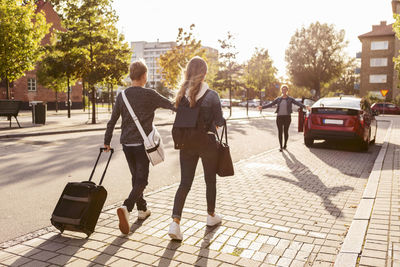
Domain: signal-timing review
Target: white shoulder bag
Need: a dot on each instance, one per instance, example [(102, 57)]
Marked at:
[(153, 143)]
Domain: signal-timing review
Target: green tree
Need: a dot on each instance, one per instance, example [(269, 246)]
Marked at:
[(117, 64), (90, 26), (228, 76), (21, 32), (259, 74), (315, 56), (49, 74), (396, 60), (343, 84), (61, 63), (174, 61), (212, 58)]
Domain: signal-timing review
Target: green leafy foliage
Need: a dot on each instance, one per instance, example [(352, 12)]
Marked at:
[(396, 60), (344, 84), (259, 74), (174, 61), (315, 56), (21, 32), (103, 56), (228, 75)]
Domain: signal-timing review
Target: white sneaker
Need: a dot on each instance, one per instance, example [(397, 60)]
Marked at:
[(143, 214), (213, 220), (123, 216), (175, 231)]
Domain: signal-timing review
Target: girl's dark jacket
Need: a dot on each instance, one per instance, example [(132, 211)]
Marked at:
[(278, 100)]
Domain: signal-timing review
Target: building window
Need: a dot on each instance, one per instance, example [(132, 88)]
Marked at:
[(379, 62), (381, 45), (377, 78), (31, 84)]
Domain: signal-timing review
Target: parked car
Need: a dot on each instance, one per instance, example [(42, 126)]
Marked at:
[(243, 103), (340, 118), (252, 103), (225, 103), (385, 108)]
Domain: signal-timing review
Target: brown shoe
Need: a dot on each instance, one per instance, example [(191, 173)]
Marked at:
[(123, 216)]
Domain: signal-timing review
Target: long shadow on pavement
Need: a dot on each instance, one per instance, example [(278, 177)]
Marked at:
[(50, 245), (169, 253), (310, 182), (116, 245), (202, 257)]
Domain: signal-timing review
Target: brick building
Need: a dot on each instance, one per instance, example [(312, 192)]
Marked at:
[(27, 88), (379, 47)]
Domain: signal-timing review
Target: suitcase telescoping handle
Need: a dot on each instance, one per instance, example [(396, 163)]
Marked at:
[(108, 161)]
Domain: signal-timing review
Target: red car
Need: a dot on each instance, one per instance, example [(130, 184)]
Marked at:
[(340, 118), (385, 108)]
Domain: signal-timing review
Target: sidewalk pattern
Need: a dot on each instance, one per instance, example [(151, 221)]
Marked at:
[(286, 209), (382, 242)]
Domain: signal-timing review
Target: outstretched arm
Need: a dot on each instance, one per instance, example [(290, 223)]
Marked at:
[(163, 102), (298, 103), (270, 104)]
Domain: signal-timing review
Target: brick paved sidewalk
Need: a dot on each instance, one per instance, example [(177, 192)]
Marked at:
[(382, 242), (285, 209)]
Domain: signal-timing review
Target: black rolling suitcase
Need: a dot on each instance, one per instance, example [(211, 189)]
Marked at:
[(80, 204)]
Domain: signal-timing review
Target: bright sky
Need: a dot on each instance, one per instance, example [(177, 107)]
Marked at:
[(255, 23)]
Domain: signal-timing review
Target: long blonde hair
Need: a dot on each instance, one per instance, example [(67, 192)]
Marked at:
[(195, 72)]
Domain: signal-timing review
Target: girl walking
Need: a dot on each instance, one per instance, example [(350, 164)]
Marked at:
[(192, 92)]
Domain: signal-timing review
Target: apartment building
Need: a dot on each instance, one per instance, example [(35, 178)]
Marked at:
[(379, 47), (151, 51)]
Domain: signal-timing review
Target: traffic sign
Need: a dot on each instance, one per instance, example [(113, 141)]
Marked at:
[(384, 92)]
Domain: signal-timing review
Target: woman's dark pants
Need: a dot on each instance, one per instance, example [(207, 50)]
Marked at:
[(188, 161)]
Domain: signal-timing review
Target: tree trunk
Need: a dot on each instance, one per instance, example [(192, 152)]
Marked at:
[(83, 95), (230, 97), (68, 98), (56, 101), (112, 97), (109, 97), (93, 103)]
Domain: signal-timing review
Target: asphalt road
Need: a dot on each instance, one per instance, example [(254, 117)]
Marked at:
[(34, 170)]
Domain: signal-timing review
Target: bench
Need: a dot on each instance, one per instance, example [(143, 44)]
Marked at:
[(10, 108)]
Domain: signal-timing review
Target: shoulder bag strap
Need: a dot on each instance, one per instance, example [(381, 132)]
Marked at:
[(224, 132), (135, 118)]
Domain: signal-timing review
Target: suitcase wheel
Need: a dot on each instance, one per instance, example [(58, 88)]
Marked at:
[(88, 234)]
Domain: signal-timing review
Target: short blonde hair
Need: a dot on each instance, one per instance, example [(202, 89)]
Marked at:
[(137, 69)]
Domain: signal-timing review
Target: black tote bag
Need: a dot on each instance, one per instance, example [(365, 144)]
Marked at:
[(225, 165)]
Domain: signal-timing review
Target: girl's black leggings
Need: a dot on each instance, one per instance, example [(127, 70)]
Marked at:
[(283, 123)]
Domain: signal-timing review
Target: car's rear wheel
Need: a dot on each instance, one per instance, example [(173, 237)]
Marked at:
[(308, 141)]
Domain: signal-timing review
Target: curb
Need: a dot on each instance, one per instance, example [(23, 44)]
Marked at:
[(103, 129), (354, 240)]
